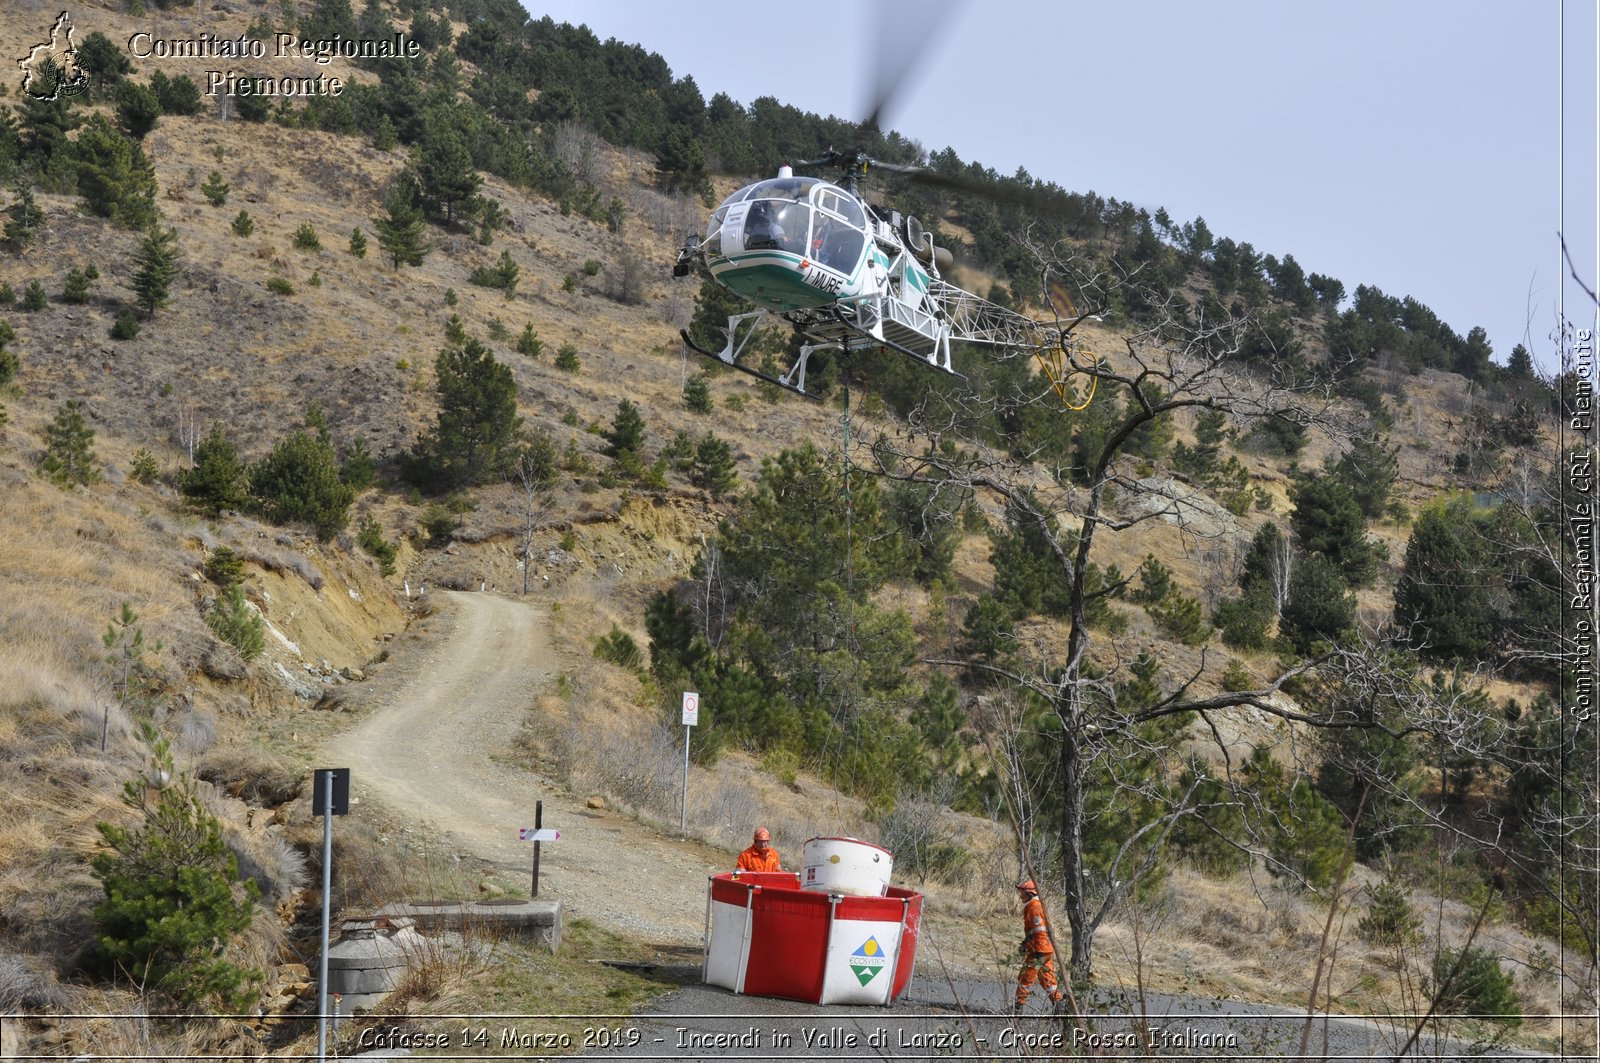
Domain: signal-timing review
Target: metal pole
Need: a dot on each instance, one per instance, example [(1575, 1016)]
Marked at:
[(327, 890), (683, 806), (538, 821)]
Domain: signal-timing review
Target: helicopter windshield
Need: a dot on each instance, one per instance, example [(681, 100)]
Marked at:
[(804, 216)]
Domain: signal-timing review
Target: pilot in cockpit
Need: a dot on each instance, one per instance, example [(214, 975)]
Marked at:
[(762, 230)]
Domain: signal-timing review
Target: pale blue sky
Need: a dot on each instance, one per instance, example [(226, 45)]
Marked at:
[(1414, 146)]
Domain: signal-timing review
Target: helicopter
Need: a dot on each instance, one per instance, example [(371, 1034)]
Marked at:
[(848, 275)]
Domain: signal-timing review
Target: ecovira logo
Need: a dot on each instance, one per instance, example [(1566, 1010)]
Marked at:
[(50, 70)]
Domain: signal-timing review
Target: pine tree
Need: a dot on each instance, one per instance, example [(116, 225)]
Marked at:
[(1442, 601), (243, 224), (697, 394), (358, 242), (627, 430), (217, 481), (77, 287), (529, 342), (23, 219), (401, 234), (299, 481), (144, 469), (138, 109), (156, 267), (216, 189), (506, 272), (1320, 605), (115, 177), (173, 894), (474, 437), (1369, 469), (69, 448), (9, 362), (445, 171)]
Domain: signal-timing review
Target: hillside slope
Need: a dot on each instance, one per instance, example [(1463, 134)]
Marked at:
[(455, 721)]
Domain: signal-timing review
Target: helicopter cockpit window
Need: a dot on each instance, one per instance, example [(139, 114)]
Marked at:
[(778, 225), (828, 199), (713, 241), (792, 188), (836, 244)]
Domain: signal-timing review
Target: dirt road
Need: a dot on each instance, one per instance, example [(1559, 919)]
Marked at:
[(433, 749)]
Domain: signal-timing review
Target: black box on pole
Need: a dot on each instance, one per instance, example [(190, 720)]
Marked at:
[(341, 792)]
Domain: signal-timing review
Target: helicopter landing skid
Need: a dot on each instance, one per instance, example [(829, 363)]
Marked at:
[(758, 374)]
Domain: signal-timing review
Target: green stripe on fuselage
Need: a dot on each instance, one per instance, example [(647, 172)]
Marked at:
[(772, 280)]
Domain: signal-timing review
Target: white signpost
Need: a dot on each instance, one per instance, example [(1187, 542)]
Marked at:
[(536, 834), (691, 718)]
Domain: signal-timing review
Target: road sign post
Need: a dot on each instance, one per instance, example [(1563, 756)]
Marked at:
[(538, 822), (330, 796), (691, 718), (537, 834)]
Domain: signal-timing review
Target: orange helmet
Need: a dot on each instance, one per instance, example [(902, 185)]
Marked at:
[(762, 835), (1027, 886)]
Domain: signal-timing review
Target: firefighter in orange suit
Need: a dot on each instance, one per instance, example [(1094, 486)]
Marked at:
[(761, 856), (1038, 955)]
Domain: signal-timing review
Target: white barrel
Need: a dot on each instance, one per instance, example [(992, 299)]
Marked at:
[(848, 866)]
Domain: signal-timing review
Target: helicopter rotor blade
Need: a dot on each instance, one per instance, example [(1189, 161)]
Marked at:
[(903, 32)]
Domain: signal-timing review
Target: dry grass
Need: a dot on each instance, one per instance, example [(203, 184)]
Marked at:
[(363, 343)]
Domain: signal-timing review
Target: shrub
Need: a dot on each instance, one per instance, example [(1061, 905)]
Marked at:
[(618, 647), (370, 538), (1237, 677), (299, 481), (591, 268), (126, 327), (697, 394), (174, 895), (235, 623), (305, 238), (215, 189), (1479, 986), (145, 470), (224, 568), (529, 342), (69, 448), (439, 524), (217, 480), (9, 362), (280, 286), (1390, 919), (76, 291)]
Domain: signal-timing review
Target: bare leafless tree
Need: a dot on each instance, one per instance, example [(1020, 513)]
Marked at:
[(532, 476), (1179, 360), (186, 426)]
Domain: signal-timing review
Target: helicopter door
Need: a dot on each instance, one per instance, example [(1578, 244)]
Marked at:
[(835, 242)]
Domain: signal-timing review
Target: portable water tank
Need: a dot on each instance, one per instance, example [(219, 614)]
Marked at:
[(846, 866)]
